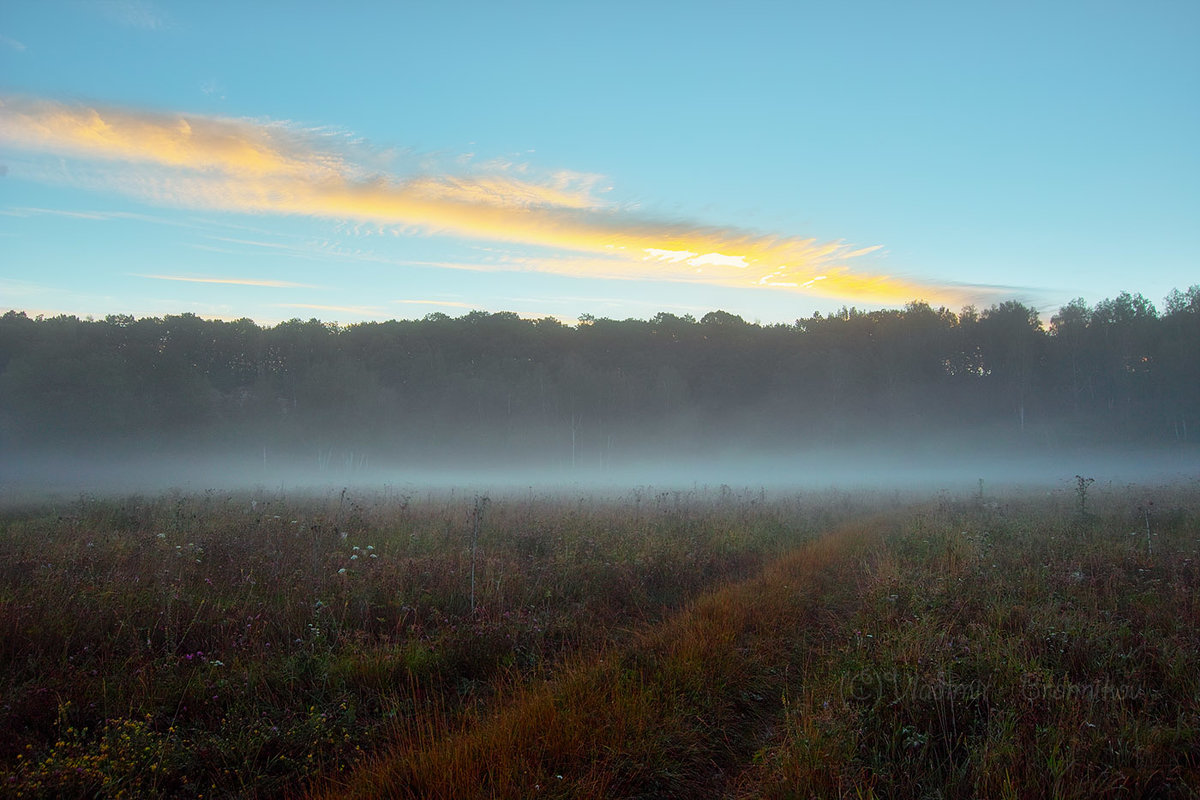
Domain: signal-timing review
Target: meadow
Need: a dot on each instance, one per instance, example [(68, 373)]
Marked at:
[(706, 643)]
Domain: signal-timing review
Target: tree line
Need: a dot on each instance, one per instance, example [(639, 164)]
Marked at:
[(496, 384)]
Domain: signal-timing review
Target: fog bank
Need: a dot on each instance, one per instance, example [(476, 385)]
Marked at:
[(928, 467)]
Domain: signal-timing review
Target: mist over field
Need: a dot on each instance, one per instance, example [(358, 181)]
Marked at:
[(881, 465), (916, 398)]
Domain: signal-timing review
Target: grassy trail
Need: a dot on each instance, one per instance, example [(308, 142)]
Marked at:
[(952, 652), (675, 714)]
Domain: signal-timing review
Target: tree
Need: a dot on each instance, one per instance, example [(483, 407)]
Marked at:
[(1069, 330), (1011, 340), (1124, 332), (1179, 363)]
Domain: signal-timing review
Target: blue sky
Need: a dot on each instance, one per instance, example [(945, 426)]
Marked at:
[(382, 160)]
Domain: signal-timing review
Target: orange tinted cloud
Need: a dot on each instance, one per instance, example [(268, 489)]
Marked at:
[(258, 167), (191, 142)]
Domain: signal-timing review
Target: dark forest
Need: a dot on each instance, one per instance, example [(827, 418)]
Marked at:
[(498, 389)]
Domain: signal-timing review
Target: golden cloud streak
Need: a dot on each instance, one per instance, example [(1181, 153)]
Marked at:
[(194, 143), (255, 167)]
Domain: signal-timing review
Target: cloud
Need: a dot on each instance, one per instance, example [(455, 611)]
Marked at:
[(442, 303), (211, 88), (13, 287), (12, 44), (262, 167), (231, 281), (95, 216), (133, 13), (199, 145), (37, 212), (361, 311)]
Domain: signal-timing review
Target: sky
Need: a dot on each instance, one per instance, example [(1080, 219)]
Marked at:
[(371, 161)]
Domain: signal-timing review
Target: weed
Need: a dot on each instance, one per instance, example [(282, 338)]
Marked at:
[(1081, 491)]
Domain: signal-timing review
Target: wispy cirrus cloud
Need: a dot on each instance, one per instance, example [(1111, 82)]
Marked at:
[(97, 216), (133, 13), (231, 281), (360, 311), (261, 167), (440, 303)]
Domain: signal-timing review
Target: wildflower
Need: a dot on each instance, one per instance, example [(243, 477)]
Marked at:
[(342, 571)]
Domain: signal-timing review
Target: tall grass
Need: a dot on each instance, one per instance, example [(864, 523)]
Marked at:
[(652, 645), (186, 645), (1018, 652), (958, 650)]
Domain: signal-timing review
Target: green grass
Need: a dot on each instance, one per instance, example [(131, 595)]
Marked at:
[(654, 645)]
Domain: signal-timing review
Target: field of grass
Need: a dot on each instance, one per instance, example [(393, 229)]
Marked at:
[(673, 644)]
